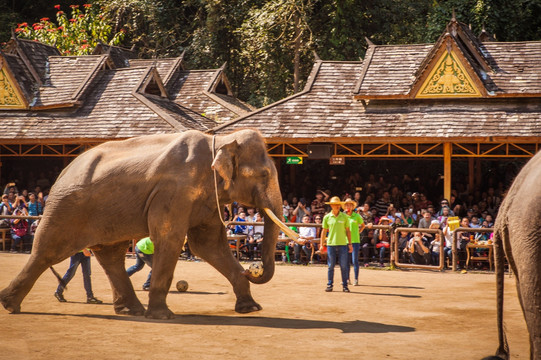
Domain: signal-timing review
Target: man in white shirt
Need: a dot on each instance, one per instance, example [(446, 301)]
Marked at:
[(306, 234)]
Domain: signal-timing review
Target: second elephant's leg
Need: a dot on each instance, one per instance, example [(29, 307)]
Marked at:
[(111, 258), (210, 243)]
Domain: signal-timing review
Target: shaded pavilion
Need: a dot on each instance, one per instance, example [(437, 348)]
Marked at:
[(459, 98)]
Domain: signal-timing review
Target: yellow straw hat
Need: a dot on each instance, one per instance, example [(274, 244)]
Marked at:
[(349, 201), (335, 200)]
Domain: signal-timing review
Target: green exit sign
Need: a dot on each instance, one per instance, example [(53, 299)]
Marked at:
[(294, 160)]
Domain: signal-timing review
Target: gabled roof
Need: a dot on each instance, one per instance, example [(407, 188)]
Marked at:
[(34, 55), (326, 111), (85, 97), (493, 69), (119, 56)]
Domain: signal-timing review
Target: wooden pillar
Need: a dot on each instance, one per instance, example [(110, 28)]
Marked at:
[(478, 173), (447, 152), (471, 174)]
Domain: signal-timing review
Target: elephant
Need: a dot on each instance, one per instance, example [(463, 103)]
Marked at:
[(517, 237), (165, 186)]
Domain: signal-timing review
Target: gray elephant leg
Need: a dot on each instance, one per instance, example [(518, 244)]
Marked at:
[(167, 251), (211, 244), (42, 257), (111, 258)]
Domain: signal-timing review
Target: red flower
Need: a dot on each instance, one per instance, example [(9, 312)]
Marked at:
[(57, 7), (59, 13), (60, 28), (81, 15), (50, 30), (38, 27), (18, 30), (84, 46), (44, 19), (23, 24), (73, 20), (74, 6), (87, 5)]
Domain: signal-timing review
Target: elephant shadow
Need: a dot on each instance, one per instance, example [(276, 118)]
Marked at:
[(355, 326)]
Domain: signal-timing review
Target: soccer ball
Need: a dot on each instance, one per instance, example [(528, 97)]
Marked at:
[(182, 285), (256, 269)]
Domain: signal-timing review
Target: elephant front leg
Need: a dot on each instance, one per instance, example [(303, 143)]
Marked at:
[(212, 246), (112, 259), (163, 266)]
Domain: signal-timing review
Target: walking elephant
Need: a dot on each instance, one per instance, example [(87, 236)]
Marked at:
[(517, 236), (163, 186)]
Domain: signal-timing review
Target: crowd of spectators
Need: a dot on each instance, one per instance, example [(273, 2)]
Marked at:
[(388, 204), (21, 203)]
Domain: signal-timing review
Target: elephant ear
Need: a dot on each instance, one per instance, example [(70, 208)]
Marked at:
[(225, 163)]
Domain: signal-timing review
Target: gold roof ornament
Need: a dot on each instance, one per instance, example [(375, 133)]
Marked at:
[(448, 78), (10, 97)]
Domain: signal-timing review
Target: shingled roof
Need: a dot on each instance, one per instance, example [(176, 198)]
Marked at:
[(379, 98), (85, 97), (206, 92)]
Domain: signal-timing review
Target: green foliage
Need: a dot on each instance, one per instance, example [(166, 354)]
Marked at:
[(77, 35)]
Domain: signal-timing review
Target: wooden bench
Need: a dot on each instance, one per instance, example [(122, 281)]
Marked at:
[(6, 236)]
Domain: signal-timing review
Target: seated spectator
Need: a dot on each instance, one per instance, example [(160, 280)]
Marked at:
[(368, 218), (255, 237), (445, 204), (20, 230), (474, 223), (463, 241), (301, 210), (240, 229), (435, 248), (409, 217), (403, 240), (382, 205), (426, 219), (445, 213), (317, 207), (6, 208), (382, 238), (419, 253), (306, 235)]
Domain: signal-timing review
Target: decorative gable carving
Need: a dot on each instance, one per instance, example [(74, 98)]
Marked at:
[(448, 78), (10, 95)]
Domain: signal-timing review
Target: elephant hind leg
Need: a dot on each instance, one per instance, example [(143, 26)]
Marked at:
[(111, 258), (211, 244)]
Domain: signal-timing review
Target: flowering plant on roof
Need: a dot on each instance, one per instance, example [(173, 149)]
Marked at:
[(77, 35)]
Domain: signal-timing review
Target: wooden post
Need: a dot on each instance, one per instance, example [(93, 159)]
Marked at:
[(447, 152), (471, 175)]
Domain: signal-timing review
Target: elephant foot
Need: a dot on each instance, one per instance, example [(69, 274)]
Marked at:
[(130, 311), (247, 306), (8, 304), (159, 313)]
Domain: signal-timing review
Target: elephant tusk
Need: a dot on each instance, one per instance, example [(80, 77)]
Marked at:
[(290, 233)]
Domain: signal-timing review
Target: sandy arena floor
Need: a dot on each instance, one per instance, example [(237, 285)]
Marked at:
[(392, 315)]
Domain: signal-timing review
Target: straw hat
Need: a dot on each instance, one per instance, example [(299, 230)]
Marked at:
[(349, 201), (335, 200)]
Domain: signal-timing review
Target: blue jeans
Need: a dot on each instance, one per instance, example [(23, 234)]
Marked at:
[(355, 259), (342, 252), (382, 254), (142, 259), (75, 260)]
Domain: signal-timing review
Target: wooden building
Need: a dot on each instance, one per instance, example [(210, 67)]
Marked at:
[(55, 107), (460, 98)]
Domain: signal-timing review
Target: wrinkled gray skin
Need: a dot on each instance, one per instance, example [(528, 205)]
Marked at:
[(160, 186), (518, 233)]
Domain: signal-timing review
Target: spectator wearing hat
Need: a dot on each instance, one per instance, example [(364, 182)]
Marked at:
[(336, 225), (356, 225), (382, 238)]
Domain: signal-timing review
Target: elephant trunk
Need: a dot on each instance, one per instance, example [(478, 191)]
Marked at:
[(271, 232)]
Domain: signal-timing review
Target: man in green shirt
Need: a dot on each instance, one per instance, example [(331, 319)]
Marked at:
[(356, 225), (144, 250), (336, 224)]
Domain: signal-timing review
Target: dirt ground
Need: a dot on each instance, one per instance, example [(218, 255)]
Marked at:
[(392, 315)]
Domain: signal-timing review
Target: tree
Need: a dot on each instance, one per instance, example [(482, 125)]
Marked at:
[(77, 35)]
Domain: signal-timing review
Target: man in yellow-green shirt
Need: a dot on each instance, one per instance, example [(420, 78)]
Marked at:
[(356, 225), (336, 224)]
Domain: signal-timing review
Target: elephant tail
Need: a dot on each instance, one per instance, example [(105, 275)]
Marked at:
[(501, 235)]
